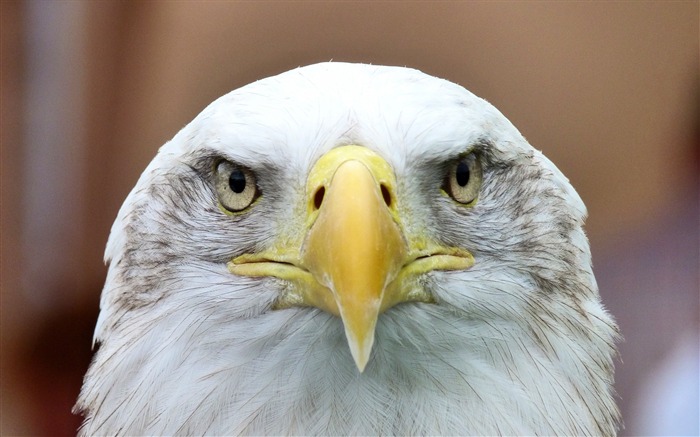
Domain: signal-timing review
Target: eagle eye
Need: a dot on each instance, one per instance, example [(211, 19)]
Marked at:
[(463, 179), (235, 186)]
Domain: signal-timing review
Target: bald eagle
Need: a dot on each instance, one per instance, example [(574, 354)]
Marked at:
[(350, 249)]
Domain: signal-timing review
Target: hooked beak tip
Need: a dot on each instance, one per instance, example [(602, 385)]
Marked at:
[(360, 348)]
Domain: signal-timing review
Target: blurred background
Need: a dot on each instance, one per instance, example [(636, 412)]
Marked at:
[(608, 90)]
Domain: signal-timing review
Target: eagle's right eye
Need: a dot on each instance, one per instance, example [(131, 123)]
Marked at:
[(235, 186)]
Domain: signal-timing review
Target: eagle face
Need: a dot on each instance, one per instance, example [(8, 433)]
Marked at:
[(350, 249)]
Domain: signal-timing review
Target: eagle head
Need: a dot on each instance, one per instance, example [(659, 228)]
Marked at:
[(350, 249)]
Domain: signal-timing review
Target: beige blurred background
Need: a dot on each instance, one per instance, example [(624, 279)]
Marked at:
[(608, 90)]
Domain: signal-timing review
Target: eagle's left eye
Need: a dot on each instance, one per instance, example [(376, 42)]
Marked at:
[(235, 186), (463, 179)]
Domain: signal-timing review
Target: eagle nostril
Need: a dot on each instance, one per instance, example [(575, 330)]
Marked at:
[(318, 197), (386, 194)]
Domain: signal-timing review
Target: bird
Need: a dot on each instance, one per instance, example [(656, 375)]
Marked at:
[(351, 249)]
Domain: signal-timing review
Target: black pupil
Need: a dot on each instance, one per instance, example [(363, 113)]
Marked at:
[(462, 173), (237, 181)]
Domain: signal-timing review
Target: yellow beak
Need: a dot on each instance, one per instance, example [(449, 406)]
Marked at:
[(355, 249), (353, 260)]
